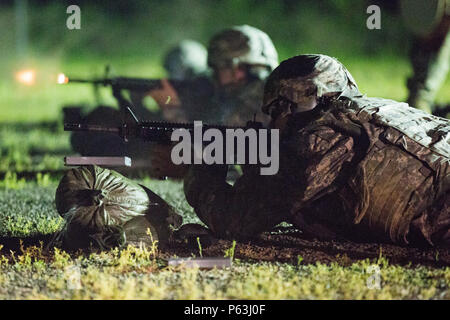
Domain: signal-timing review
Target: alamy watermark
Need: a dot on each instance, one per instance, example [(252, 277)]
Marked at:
[(73, 277), (374, 20), (73, 22), (374, 280), (234, 146)]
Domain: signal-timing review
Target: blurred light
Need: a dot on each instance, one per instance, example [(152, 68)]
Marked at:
[(26, 77), (62, 79)]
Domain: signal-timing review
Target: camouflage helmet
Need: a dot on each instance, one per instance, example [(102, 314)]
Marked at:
[(186, 60), (306, 76), (242, 45)]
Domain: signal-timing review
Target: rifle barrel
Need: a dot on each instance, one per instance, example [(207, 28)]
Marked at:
[(147, 130), (136, 84), (90, 127), (93, 81)]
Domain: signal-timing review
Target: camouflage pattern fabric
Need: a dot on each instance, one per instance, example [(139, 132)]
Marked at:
[(233, 108), (242, 45), (405, 175), (241, 211), (429, 131), (318, 76), (200, 98), (375, 186)]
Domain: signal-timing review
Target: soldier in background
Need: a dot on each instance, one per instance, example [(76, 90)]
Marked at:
[(364, 169), (186, 60), (429, 21), (241, 58)]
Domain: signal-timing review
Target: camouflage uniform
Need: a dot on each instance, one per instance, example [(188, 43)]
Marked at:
[(243, 46), (430, 52), (351, 167)]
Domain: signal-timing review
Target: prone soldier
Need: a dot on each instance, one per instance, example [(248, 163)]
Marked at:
[(352, 167)]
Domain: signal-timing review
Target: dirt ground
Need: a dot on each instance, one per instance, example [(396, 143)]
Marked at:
[(288, 247)]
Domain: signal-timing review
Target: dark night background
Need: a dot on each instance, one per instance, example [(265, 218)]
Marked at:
[(133, 37)]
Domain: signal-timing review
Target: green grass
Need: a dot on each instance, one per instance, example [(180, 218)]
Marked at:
[(139, 274), (27, 207), (33, 147)]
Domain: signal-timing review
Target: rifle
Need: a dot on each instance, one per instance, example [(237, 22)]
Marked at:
[(134, 84), (140, 85), (149, 131), (153, 131), (197, 89)]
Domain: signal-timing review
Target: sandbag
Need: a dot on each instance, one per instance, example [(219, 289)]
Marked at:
[(99, 207)]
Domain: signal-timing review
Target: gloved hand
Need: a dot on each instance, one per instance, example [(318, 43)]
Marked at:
[(166, 96)]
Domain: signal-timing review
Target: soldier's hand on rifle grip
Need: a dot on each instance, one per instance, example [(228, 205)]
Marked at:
[(166, 96)]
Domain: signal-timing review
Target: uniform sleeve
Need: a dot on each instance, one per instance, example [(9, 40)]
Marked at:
[(238, 211), (322, 155), (257, 203)]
